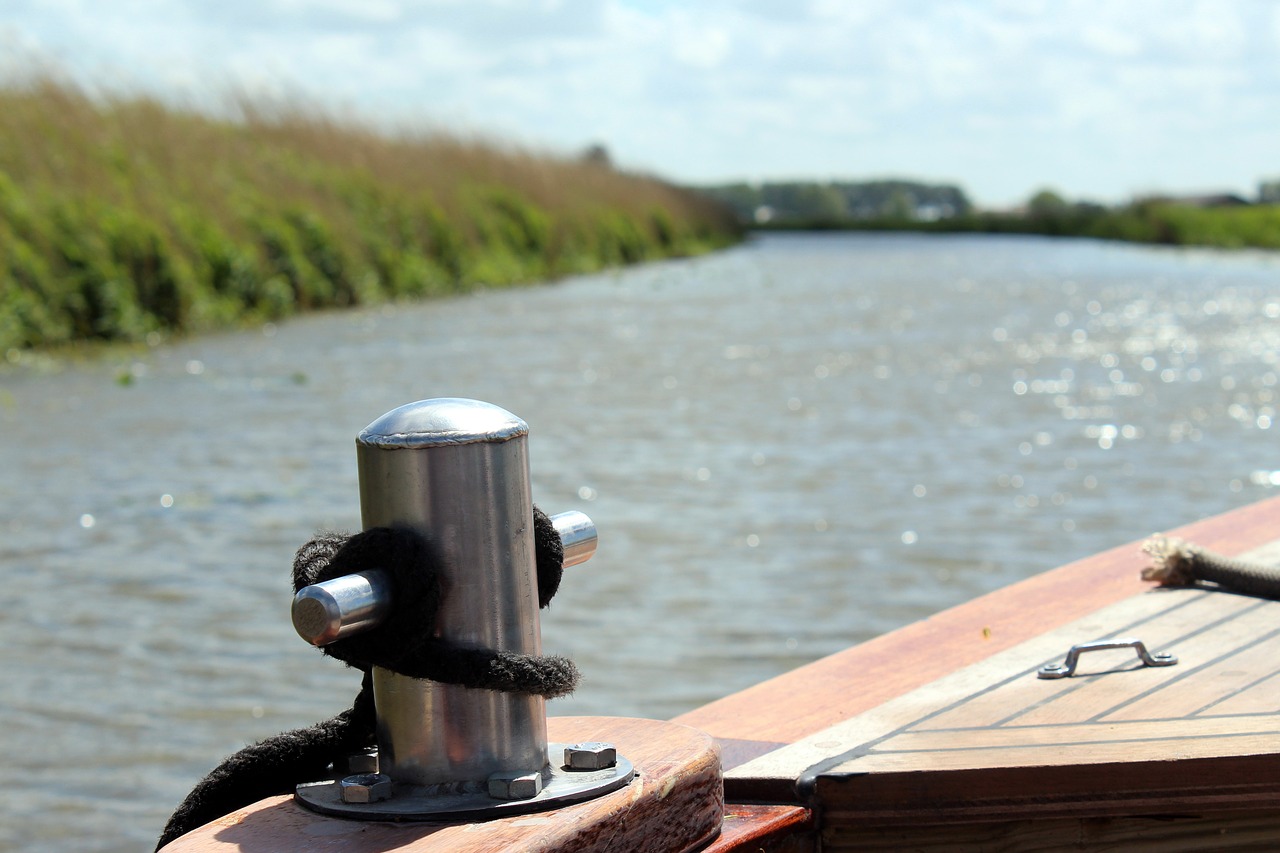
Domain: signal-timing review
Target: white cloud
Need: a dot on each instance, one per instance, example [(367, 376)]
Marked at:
[(699, 46), (1003, 96), (1111, 41)]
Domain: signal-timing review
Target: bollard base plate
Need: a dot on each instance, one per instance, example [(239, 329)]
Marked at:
[(470, 800)]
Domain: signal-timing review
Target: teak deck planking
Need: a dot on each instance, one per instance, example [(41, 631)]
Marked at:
[(799, 703), (994, 738), (1118, 756)]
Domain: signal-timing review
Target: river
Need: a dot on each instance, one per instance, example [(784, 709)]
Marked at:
[(788, 448)]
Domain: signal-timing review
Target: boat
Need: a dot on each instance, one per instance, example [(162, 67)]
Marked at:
[(1083, 708)]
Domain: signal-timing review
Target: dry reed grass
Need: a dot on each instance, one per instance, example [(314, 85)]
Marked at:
[(122, 218)]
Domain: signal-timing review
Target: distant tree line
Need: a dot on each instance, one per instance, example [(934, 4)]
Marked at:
[(812, 204), (1223, 219)]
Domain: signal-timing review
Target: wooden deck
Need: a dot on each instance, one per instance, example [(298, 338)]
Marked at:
[(811, 698), (941, 735)]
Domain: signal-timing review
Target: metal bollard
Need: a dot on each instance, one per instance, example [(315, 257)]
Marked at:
[(458, 472)]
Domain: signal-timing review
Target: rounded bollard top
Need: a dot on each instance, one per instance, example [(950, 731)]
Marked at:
[(444, 420)]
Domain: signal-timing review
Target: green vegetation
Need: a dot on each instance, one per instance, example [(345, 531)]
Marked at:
[(1224, 221), (1165, 222), (126, 220)]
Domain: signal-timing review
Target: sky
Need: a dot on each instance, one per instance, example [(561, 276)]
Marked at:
[(1097, 99)]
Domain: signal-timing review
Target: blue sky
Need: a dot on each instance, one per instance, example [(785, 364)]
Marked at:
[(1100, 99)]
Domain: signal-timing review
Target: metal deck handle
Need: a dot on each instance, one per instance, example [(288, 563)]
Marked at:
[(1068, 667)]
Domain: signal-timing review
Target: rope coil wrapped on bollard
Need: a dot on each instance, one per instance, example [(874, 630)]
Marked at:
[(402, 643)]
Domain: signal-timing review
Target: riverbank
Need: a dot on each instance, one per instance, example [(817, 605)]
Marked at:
[(1155, 222), (122, 219)]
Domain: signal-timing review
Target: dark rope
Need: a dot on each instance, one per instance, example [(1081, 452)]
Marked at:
[(402, 643), (1179, 563), (275, 766), (548, 555)]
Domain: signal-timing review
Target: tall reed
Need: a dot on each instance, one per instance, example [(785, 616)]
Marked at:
[(122, 218)]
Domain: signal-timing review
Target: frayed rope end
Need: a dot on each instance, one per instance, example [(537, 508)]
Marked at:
[(1172, 561)]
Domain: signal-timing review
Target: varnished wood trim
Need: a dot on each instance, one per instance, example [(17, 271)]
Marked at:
[(766, 829), (1194, 830)]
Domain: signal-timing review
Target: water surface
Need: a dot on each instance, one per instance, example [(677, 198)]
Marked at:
[(788, 448)]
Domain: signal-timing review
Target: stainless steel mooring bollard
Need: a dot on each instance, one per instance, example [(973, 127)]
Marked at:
[(456, 471)]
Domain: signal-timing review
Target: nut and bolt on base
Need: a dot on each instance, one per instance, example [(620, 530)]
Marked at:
[(517, 786), (362, 762), (589, 770), (590, 756), (366, 788)]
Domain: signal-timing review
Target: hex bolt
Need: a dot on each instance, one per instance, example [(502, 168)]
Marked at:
[(363, 762), (366, 788), (515, 786), (590, 756)]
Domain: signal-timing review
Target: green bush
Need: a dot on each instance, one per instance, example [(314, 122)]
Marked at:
[(620, 240), (1144, 222), (28, 313), (158, 284)]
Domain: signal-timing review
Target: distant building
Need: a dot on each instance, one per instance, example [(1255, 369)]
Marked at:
[(934, 212)]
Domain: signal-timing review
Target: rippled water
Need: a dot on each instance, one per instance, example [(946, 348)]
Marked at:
[(788, 448)]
